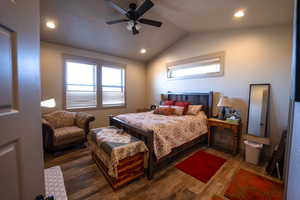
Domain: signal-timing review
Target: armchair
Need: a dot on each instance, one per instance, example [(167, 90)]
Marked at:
[(62, 129)]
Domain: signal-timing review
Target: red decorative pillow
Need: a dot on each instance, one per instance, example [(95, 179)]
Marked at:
[(183, 104), (169, 103)]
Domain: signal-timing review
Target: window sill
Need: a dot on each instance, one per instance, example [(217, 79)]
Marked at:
[(114, 107), (96, 108), (81, 109), (211, 75)]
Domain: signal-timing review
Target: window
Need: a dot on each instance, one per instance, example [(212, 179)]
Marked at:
[(203, 66), (113, 87), (85, 77), (81, 85)]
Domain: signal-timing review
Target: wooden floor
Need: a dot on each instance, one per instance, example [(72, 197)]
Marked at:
[(83, 180)]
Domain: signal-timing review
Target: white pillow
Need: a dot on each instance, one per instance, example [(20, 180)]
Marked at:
[(178, 110), (194, 109)]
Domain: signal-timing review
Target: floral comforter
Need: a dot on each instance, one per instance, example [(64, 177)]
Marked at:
[(169, 131)]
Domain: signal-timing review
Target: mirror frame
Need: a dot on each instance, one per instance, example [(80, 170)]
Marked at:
[(268, 107)]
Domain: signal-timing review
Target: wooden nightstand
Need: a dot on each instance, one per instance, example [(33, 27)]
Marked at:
[(222, 124)]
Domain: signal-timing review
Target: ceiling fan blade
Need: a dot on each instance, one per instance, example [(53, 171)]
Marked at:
[(116, 7), (147, 5), (117, 21), (150, 22)]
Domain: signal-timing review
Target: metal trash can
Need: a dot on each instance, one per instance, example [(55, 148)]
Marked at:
[(253, 150)]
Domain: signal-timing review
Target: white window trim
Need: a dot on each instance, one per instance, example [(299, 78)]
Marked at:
[(205, 58), (99, 63)]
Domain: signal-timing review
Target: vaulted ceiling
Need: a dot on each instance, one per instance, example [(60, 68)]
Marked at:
[(81, 23)]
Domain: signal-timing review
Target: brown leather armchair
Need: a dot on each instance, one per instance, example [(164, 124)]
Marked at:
[(62, 129)]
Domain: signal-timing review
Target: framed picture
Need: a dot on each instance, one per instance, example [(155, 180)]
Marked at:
[(7, 69)]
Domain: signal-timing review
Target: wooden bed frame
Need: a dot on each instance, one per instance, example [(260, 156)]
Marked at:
[(205, 99)]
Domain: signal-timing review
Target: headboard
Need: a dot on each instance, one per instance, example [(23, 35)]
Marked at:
[(205, 99)]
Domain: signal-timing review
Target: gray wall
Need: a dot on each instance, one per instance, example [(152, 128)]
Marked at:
[(52, 65), (253, 55)]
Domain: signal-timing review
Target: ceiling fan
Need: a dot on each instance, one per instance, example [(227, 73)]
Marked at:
[(134, 16)]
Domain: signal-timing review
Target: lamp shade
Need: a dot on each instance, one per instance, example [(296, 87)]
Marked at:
[(224, 102), (49, 103)]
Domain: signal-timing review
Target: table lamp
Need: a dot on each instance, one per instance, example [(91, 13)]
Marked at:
[(224, 103), (49, 103)]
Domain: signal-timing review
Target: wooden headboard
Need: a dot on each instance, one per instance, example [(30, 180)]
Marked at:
[(205, 99)]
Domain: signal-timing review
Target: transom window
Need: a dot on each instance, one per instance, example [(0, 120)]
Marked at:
[(93, 84), (202, 66)]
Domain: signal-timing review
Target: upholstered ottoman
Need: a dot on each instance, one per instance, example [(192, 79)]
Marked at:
[(119, 156)]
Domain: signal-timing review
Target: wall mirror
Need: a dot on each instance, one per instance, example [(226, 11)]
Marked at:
[(258, 109)]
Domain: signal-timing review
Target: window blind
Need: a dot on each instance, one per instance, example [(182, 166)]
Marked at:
[(81, 85), (113, 86)]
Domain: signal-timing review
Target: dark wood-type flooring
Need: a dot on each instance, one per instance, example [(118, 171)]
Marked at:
[(83, 179)]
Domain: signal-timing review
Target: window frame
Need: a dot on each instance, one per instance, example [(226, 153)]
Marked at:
[(176, 64), (99, 64), (118, 66)]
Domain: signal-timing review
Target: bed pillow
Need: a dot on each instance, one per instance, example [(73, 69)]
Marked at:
[(178, 110), (194, 109), (164, 106), (164, 111), (168, 103), (183, 104)]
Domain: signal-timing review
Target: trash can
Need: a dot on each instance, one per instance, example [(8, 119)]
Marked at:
[(253, 150)]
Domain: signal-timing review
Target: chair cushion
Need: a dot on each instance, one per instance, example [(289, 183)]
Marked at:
[(67, 135), (60, 119)]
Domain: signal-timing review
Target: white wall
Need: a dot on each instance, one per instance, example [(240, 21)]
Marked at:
[(254, 55), (52, 79)]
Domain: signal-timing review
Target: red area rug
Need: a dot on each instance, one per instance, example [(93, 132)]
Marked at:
[(248, 186), (201, 165)]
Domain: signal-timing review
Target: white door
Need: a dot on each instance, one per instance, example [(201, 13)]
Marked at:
[(21, 156)]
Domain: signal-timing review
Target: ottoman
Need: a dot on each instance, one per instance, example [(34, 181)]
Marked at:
[(120, 157)]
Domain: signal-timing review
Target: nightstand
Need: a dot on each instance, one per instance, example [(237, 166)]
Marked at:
[(222, 124)]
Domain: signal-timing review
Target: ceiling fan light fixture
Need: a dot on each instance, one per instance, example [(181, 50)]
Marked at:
[(134, 16), (138, 27), (131, 24)]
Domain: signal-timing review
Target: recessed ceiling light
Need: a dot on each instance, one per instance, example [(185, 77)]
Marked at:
[(143, 51), (50, 24), (239, 14)]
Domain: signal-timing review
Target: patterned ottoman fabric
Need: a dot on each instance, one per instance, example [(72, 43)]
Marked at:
[(54, 183), (113, 145)]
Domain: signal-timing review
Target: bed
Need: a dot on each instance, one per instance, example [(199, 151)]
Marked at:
[(152, 129)]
